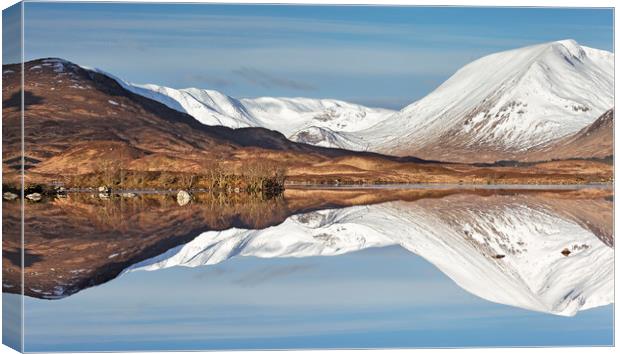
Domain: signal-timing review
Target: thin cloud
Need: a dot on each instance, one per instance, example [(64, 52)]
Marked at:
[(208, 80), (266, 80)]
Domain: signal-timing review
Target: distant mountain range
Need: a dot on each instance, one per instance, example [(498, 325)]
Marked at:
[(509, 105), (320, 122)]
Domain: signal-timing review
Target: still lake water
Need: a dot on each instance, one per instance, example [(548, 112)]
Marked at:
[(322, 269)]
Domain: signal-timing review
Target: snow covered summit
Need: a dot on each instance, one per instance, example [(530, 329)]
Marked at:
[(505, 102)]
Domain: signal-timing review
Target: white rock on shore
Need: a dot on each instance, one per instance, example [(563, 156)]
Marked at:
[(9, 196), (183, 197), (35, 197)]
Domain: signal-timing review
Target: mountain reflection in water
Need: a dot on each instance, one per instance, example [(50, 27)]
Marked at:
[(547, 251)]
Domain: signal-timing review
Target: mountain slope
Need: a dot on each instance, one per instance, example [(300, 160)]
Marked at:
[(501, 105), (208, 106), (290, 115), (322, 136), (506, 249), (286, 115), (594, 141)]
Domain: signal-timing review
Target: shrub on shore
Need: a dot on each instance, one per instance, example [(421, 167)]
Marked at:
[(254, 177)]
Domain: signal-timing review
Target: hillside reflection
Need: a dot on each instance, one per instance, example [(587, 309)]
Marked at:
[(549, 251)]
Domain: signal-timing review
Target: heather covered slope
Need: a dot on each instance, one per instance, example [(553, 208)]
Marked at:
[(594, 141)]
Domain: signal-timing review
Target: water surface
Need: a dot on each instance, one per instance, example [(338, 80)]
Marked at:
[(319, 269)]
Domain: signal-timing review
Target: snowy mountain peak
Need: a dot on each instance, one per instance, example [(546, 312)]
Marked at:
[(210, 107), (573, 47), (507, 101)]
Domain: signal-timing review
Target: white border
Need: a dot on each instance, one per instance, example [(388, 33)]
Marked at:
[(485, 3)]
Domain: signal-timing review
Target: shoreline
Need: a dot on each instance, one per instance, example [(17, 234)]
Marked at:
[(393, 186), (454, 186)]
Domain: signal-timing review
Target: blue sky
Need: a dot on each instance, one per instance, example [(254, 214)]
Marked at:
[(382, 56)]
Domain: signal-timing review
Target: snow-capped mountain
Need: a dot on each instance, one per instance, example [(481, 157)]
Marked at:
[(505, 249), (497, 107), (506, 102), (293, 117), (289, 115), (210, 107)]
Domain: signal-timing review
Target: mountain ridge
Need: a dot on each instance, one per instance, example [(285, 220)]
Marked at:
[(287, 115), (499, 107)]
